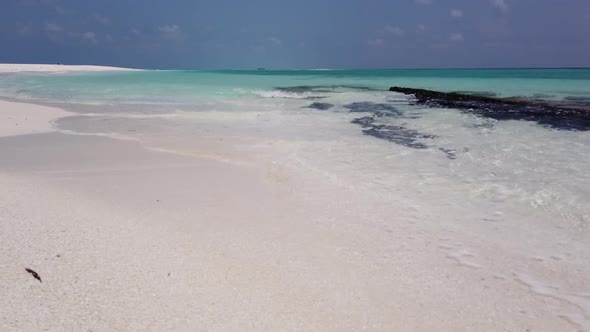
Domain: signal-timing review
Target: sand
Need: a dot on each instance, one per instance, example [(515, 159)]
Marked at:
[(233, 222), (21, 119), (15, 68)]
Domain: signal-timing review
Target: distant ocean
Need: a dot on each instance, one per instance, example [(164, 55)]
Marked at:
[(526, 161), (191, 86)]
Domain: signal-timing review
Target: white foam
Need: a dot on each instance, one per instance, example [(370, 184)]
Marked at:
[(284, 94), (581, 300)]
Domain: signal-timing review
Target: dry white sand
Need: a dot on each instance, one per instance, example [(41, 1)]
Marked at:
[(16, 67), (20, 118), (234, 222)]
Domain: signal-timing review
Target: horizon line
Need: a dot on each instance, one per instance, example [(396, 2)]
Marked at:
[(314, 69)]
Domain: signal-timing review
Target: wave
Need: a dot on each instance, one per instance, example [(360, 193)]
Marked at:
[(286, 94)]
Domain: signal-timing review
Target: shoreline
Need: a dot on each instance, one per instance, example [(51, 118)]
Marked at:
[(137, 234), (25, 118)]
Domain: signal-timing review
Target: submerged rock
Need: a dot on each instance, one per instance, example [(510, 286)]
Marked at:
[(365, 121), (542, 96), (578, 100), (375, 108), (478, 93), (320, 106), (555, 115), (451, 153), (393, 133)]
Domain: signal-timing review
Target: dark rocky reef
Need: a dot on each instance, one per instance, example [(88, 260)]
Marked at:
[(398, 134), (578, 100), (393, 133), (572, 116), (478, 93), (320, 106), (375, 108)]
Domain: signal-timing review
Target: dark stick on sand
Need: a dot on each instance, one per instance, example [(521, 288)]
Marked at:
[(35, 274)]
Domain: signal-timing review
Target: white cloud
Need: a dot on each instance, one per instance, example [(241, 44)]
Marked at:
[(89, 37), (171, 33), (257, 48), (500, 4), (394, 30), (376, 42), (421, 28), (456, 13), (276, 41), (53, 28), (423, 2), (169, 29), (456, 37), (55, 33), (24, 29), (55, 4), (102, 20)]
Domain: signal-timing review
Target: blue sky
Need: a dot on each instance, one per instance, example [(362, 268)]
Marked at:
[(297, 34)]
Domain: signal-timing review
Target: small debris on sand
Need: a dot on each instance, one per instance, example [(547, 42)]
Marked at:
[(35, 274)]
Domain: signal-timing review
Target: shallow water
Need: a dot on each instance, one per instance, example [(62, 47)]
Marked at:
[(503, 196), (191, 86), (501, 160)]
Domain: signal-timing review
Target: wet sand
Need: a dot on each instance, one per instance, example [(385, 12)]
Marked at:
[(260, 221)]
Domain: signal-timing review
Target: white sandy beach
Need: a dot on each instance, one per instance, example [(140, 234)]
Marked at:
[(233, 222), (16, 67)]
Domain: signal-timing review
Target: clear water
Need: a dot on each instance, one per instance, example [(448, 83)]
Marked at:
[(511, 161), (194, 86)]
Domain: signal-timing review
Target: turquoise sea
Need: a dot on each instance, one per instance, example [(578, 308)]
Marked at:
[(189, 86)]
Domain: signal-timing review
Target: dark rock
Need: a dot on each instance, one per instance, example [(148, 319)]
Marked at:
[(377, 109), (357, 87), (399, 135), (392, 133), (301, 89), (555, 115), (577, 98), (320, 106), (542, 96), (365, 121), (451, 153), (577, 101)]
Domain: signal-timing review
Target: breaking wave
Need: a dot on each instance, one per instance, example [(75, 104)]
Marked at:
[(286, 94)]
